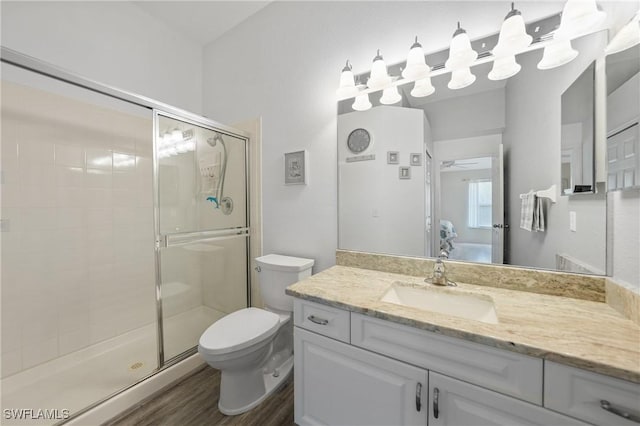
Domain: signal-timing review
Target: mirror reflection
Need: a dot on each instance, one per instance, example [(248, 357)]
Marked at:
[(488, 182), (623, 110)]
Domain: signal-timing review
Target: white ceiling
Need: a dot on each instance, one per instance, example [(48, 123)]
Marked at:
[(201, 21)]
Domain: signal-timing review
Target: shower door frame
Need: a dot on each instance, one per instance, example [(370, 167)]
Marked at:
[(162, 241), (29, 63)]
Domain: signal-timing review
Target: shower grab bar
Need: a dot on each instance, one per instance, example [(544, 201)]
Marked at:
[(179, 239)]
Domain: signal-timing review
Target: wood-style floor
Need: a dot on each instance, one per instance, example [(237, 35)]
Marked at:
[(194, 401)]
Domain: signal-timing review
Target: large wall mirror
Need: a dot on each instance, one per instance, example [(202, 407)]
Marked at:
[(453, 171)]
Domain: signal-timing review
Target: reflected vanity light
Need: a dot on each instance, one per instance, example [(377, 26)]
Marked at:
[(422, 88), (361, 103), (513, 38), (557, 53), (461, 78), (379, 78), (579, 17), (417, 67), (627, 37), (347, 82), (390, 96)]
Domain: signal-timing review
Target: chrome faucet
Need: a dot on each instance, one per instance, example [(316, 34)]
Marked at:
[(439, 276)]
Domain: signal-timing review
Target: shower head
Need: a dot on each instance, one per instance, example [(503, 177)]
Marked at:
[(215, 139)]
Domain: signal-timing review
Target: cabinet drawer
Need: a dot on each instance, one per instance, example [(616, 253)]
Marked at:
[(322, 319), (503, 371), (579, 393)]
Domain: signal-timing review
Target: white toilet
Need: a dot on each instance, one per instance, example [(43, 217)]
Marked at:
[(253, 348)]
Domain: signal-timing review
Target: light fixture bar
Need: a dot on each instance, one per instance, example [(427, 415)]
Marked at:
[(483, 46)]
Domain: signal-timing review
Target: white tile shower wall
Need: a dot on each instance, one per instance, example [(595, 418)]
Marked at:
[(78, 260)]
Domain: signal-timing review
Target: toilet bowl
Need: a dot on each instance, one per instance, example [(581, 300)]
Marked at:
[(252, 347)]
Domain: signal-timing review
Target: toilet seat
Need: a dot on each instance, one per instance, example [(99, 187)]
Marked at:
[(238, 330)]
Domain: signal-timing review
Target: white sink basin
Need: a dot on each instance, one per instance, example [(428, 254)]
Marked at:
[(445, 301)]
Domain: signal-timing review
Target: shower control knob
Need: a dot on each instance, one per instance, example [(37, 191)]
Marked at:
[(258, 269)]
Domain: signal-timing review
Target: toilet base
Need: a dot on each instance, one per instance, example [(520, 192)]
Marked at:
[(271, 384)]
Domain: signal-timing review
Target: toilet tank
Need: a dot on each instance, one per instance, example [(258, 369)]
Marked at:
[(278, 272)]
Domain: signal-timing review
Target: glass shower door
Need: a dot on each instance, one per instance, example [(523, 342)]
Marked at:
[(202, 229)]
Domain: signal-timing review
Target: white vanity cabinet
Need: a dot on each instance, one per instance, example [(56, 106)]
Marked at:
[(353, 369), (337, 384), (455, 403)]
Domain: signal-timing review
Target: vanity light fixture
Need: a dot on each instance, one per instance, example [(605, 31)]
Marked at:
[(461, 56), (461, 78), (390, 96), (422, 88), (379, 78), (627, 37), (557, 53), (347, 86), (578, 17), (417, 67), (513, 39), (361, 103)]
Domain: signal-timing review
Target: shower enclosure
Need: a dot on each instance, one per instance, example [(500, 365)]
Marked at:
[(124, 235)]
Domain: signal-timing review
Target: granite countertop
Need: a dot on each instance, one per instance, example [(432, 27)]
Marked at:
[(579, 333)]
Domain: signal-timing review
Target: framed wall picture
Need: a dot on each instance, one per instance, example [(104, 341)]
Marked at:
[(415, 159), (404, 172), (295, 168), (393, 157)]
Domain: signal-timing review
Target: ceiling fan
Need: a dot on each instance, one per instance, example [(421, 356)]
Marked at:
[(458, 164)]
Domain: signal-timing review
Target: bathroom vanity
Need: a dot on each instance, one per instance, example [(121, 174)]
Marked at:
[(363, 357)]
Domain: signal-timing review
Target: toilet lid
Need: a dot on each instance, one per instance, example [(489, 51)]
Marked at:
[(238, 330)]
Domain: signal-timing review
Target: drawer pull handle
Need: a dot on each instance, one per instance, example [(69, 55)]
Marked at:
[(418, 396), (319, 321), (606, 405), (436, 409)]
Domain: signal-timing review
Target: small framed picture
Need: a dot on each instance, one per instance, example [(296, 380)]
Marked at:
[(393, 157), (405, 172), (295, 168), (416, 159)]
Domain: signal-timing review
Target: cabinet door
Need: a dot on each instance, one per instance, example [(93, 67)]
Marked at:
[(456, 403), (337, 384)]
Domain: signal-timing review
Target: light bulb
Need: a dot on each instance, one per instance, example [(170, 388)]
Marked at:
[(390, 96), (461, 55), (379, 78), (627, 37), (513, 36), (422, 88), (347, 86), (361, 103), (579, 17), (416, 66), (461, 78), (504, 67), (556, 54)]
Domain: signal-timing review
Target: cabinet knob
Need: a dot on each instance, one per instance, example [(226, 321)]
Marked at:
[(436, 409)]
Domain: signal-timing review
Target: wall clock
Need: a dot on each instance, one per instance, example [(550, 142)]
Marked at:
[(358, 141)]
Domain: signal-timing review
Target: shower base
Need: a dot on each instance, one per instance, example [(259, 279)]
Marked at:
[(80, 379)]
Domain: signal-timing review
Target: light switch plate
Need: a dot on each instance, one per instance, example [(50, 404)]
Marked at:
[(572, 221)]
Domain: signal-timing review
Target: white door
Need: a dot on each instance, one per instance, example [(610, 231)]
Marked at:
[(456, 403), (497, 206), (337, 384)]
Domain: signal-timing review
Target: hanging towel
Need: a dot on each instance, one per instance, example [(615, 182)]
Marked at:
[(538, 214), (527, 209)]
